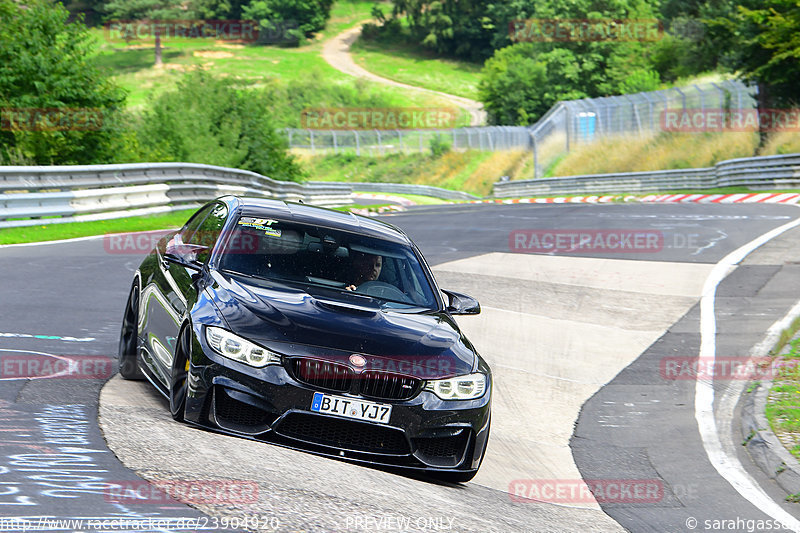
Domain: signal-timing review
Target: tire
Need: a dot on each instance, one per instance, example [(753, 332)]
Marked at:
[(178, 387), (129, 338)]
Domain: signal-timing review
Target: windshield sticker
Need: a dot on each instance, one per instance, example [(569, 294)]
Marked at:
[(260, 224)]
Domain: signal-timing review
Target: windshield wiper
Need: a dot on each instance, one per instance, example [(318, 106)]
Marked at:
[(237, 273)]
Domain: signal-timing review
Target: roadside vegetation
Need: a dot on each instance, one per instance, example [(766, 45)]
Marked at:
[(282, 68), (783, 402), (528, 68), (225, 102), (71, 230), (417, 66), (471, 171), (660, 152), (474, 171)]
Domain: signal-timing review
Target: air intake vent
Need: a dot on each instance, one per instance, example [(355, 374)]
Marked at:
[(343, 434)]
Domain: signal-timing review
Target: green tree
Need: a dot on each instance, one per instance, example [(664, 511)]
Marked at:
[(470, 29), (517, 87), (148, 12), (308, 16), (56, 106), (219, 9), (92, 10), (767, 40), (639, 81), (474, 29), (206, 120), (567, 68)]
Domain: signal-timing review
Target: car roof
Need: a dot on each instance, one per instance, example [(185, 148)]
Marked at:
[(319, 216)]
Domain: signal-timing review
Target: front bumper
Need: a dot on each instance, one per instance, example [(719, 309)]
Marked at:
[(268, 404)]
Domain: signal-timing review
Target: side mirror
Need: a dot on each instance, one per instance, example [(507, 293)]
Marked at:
[(184, 254), (461, 304)]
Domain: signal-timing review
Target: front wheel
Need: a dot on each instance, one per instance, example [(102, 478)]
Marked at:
[(128, 338), (178, 385)]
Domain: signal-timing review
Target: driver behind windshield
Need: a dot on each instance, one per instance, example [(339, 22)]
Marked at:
[(364, 267)]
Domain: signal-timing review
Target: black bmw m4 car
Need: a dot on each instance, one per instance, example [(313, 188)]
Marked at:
[(313, 329)]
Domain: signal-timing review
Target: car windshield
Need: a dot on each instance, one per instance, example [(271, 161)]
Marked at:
[(313, 256)]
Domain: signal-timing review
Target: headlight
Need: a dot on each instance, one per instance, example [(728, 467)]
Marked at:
[(466, 387), (235, 347)]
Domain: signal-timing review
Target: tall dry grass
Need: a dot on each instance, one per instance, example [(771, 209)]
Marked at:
[(784, 142), (499, 164), (664, 151)]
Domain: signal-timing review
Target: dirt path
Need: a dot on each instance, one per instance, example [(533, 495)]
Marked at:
[(336, 52)]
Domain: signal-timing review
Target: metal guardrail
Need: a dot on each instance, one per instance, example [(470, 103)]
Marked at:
[(767, 172), (408, 188), (31, 195), (93, 192)]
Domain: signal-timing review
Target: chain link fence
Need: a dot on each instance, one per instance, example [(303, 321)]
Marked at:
[(565, 125), (572, 122), (380, 142)]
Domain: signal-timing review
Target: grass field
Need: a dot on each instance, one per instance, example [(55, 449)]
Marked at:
[(415, 66), (668, 151), (665, 151), (471, 171), (71, 230), (250, 65), (783, 402), (475, 172)]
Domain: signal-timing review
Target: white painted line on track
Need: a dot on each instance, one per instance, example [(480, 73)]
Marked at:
[(79, 239), (725, 463), (43, 243), (46, 337), (727, 403), (66, 372)]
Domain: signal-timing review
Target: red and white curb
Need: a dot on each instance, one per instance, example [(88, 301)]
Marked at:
[(767, 198), (742, 198), (739, 198)]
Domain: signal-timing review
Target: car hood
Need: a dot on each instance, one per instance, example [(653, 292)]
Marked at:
[(294, 323)]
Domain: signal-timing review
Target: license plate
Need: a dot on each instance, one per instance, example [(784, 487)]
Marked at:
[(349, 408)]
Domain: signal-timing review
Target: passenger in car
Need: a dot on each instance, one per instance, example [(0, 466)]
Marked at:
[(365, 267)]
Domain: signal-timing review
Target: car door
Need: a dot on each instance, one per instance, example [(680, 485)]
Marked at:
[(173, 290)]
